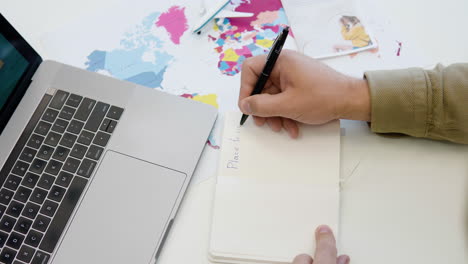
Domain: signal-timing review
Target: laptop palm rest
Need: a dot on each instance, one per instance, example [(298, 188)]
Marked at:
[(123, 214)]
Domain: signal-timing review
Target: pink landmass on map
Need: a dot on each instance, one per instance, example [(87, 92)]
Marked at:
[(175, 23), (267, 17), (255, 7)]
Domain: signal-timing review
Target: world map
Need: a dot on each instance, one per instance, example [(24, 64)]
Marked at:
[(143, 57), (237, 39)]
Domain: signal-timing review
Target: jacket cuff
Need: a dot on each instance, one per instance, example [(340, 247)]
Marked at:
[(399, 101)]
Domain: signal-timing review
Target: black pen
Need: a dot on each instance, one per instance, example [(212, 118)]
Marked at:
[(269, 65)]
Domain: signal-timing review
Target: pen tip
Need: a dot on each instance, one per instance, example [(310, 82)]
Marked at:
[(242, 121)]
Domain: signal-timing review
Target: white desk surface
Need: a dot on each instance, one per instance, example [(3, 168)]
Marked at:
[(404, 200)]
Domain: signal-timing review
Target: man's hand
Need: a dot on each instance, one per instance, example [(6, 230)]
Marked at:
[(325, 252), (301, 89)]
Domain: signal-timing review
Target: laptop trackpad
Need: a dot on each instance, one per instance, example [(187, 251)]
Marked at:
[(123, 214)]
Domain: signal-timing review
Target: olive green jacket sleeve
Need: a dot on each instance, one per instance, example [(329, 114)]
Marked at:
[(421, 103)]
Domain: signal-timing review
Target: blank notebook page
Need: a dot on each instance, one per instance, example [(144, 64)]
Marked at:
[(273, 191)]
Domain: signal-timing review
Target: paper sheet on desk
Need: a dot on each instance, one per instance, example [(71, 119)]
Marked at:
[(328, 28), (395, 49), (273, 191)]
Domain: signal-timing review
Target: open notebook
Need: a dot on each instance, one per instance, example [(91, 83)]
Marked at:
[(273, 191)]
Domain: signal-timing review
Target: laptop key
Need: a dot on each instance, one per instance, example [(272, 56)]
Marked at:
[(5, 196), (56, 193), (54, 167), (59, 99), (111, 127), (41, 223), (38, 166), (50, 115), (85, 138), (28, 154), (49, 208), (67, 113), (105, 124), (64, 179), (71, 165), (33, 238), (52, 139), (20, 168), (45, 152), (31, 210), (97, 116), (94, 152), (42, 128), (40, 258), (78, 151), (74, 100), (14, 209), (22, 194), (46, 181), (61, 153), (68, 140), (26, 253), (85, 109), (75, 127), (15, 240), (3, 238), (12, 182), (35, 141), (115, 112), (7, 223), (23, 225), (30, 180), (38, 196), (7, 255), (60, 125), (64, 212), (86, 168), (101, 139), (2, 211)]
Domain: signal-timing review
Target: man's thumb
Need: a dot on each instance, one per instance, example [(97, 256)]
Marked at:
[(265, 105)]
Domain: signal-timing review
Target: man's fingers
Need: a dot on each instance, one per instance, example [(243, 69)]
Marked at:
[(303, 259), (275, 123), (343, 259), (265, 105), (325, 252), (259, 121), (251, 69), (291, 126)]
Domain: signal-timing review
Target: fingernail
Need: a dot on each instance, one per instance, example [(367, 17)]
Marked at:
[(246, 107), (323, 229), (343, 260)]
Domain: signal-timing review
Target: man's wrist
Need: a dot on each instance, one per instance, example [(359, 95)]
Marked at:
[(357, 104)]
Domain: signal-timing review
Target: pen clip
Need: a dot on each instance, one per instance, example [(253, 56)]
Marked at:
[(274, 45)]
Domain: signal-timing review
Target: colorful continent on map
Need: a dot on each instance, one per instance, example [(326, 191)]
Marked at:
[(175, 23), (237, 39), (141, 57)]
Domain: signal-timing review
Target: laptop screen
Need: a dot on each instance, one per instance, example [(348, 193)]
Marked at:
[(18, 62), (12, 66)]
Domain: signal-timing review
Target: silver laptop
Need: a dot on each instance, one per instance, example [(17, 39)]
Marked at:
[(93, 169)]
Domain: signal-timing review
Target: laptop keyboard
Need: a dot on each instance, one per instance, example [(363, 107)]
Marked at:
[(47, 172)]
